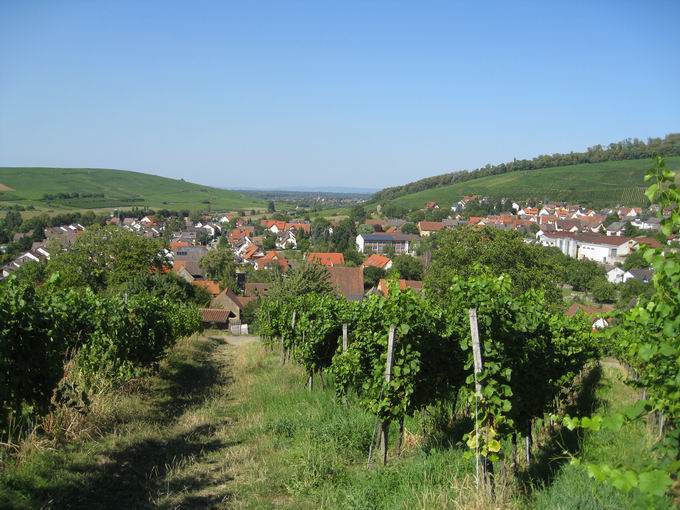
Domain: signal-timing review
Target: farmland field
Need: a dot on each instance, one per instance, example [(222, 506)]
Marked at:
[(599, 184), (104, 188)]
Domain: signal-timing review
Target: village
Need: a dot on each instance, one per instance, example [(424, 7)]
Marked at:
[(361, 252)]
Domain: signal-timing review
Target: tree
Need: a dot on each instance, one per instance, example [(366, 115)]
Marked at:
[(271, 207), (106, 256), (463, 250), (410, 228), (408, 267), (196, 216), (629, 230), (344, 235), (269, 241), (365, 229), (357, 214), (303, 279), (220, 265), (372, 276), (635, 260), (603, 291), (352, 257), (13, 220)]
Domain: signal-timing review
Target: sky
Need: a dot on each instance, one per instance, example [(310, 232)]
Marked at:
[(365, 94)]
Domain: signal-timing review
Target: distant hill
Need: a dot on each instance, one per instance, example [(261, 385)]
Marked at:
[(597, 184), (99, 188)]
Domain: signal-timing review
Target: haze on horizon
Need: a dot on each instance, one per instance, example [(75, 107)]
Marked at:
[(367, 95)]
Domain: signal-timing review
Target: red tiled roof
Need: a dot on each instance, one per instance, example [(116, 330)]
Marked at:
[(431, 226), (271, 258), (588, 310), (348, 281), (175, 245), (376, 260), (177, 265), (329, 259), (214, 315), (210, 285), (649, 241)]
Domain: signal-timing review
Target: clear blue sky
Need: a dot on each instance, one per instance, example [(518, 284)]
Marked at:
[(317, 93)]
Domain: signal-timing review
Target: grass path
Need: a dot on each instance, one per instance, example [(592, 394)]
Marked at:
[(161, 444)]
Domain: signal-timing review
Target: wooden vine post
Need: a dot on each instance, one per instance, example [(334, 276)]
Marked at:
[(385, 426), (477, 357), (345, 340)]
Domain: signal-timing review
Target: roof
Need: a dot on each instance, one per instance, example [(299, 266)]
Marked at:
[(192, 267), (388, 237), (210, 285), (376, 260), (416, 285), (649, 241), (271, 258), (257, 289), (179, 244), (214, 315), (588, 310), (326, 258), (348, 281), (644, 275), (591, 238), (431, 226)]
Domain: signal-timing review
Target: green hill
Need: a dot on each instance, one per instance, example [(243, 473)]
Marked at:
[(98, 188), (597, 184)]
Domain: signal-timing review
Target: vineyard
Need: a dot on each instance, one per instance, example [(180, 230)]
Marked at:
[(513, 364)]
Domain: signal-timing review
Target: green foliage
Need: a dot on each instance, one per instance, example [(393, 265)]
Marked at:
[(647, 338), (408, 267), (220, 265), (409, 228), (460, 252), (106, 256), (603, 291), (372, 276), (635, 260), (41, 327)]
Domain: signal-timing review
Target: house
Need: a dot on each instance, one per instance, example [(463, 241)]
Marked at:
[(379, 261), (272, 259), (381, 243), (628, 213), (652, 223), (249, 251), (211, 286), (596, 313), (229, 300), (286, 240), (618, 275), (431, 205), (347, 281), (597, 247), (643, 275), (329, 259), (191, 253), (214, 318), (428, 227), (616, 229), (649, 241), (190, 270), (256, 290), (383, 286)]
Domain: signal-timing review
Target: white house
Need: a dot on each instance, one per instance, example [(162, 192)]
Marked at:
[(618, 275), (604, 249)]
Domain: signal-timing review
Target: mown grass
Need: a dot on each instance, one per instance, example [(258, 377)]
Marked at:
[(121, 188), (600, 184), (227, 427)]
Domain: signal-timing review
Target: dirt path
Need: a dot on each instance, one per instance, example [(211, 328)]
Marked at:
[(164, 444)]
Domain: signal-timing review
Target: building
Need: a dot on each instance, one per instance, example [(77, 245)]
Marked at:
[(383, 286), (383, 242), (379, 261), (328, 259), (429, 227), (597, 247), (348, 282)]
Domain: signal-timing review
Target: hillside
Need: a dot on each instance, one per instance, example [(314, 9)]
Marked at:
[(599, 184), (100, 188)]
